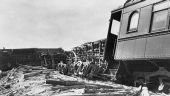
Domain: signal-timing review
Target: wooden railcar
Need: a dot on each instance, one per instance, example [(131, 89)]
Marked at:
[(6, 60), (47, 57), (141, 50), (93, 50)]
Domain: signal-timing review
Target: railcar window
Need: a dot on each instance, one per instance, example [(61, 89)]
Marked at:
[(115, 22), (160, 20), (133, 21), (115, 27), (160, 16)]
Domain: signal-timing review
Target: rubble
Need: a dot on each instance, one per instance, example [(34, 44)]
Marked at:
[(39, 81)]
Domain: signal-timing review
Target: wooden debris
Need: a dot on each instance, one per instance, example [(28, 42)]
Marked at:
[(65, 83), (5, 79), (62, 88), (100, 90), (34, 67), (32, 74)]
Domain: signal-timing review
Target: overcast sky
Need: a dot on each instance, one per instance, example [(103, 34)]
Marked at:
[(53, 23)]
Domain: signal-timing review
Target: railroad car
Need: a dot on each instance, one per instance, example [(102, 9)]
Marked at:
[(6, 60), (93, 50), (140, 52)]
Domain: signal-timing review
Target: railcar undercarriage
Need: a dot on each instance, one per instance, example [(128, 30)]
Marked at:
[(153, 73)]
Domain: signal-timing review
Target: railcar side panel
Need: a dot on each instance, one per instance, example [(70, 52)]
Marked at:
[(131, 49), (158, 47), (145, 20), (125, 49), (124, 26), (139, 49), (143, 23)]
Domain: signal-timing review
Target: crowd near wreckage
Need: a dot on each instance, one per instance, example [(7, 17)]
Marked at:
[(87, 61), (79, 61), (90, 61), (138, 56)]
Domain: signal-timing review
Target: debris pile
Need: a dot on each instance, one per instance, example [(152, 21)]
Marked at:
[(29, 81), (24, 80)]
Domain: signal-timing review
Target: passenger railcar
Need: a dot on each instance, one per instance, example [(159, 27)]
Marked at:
[(141, 51)]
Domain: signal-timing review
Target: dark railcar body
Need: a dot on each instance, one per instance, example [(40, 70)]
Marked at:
[(27, 56), (6, 61)]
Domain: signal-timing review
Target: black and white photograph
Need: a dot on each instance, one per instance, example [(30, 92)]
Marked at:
[(84, 47)]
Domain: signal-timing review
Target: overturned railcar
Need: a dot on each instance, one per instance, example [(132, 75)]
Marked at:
[(6, 60), (141, 50)]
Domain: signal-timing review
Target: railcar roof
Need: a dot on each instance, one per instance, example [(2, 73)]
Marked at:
[(118, 8), (127, 3)]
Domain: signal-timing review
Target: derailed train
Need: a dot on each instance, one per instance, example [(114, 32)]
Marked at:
[(89, 60), (93, 50), (141, 51), (47, 57)]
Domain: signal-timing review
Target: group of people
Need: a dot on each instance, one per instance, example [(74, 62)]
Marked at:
[(62, 68), (86, 69)]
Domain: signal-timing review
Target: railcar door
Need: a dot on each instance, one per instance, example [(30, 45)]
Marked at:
[(111, 41)]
